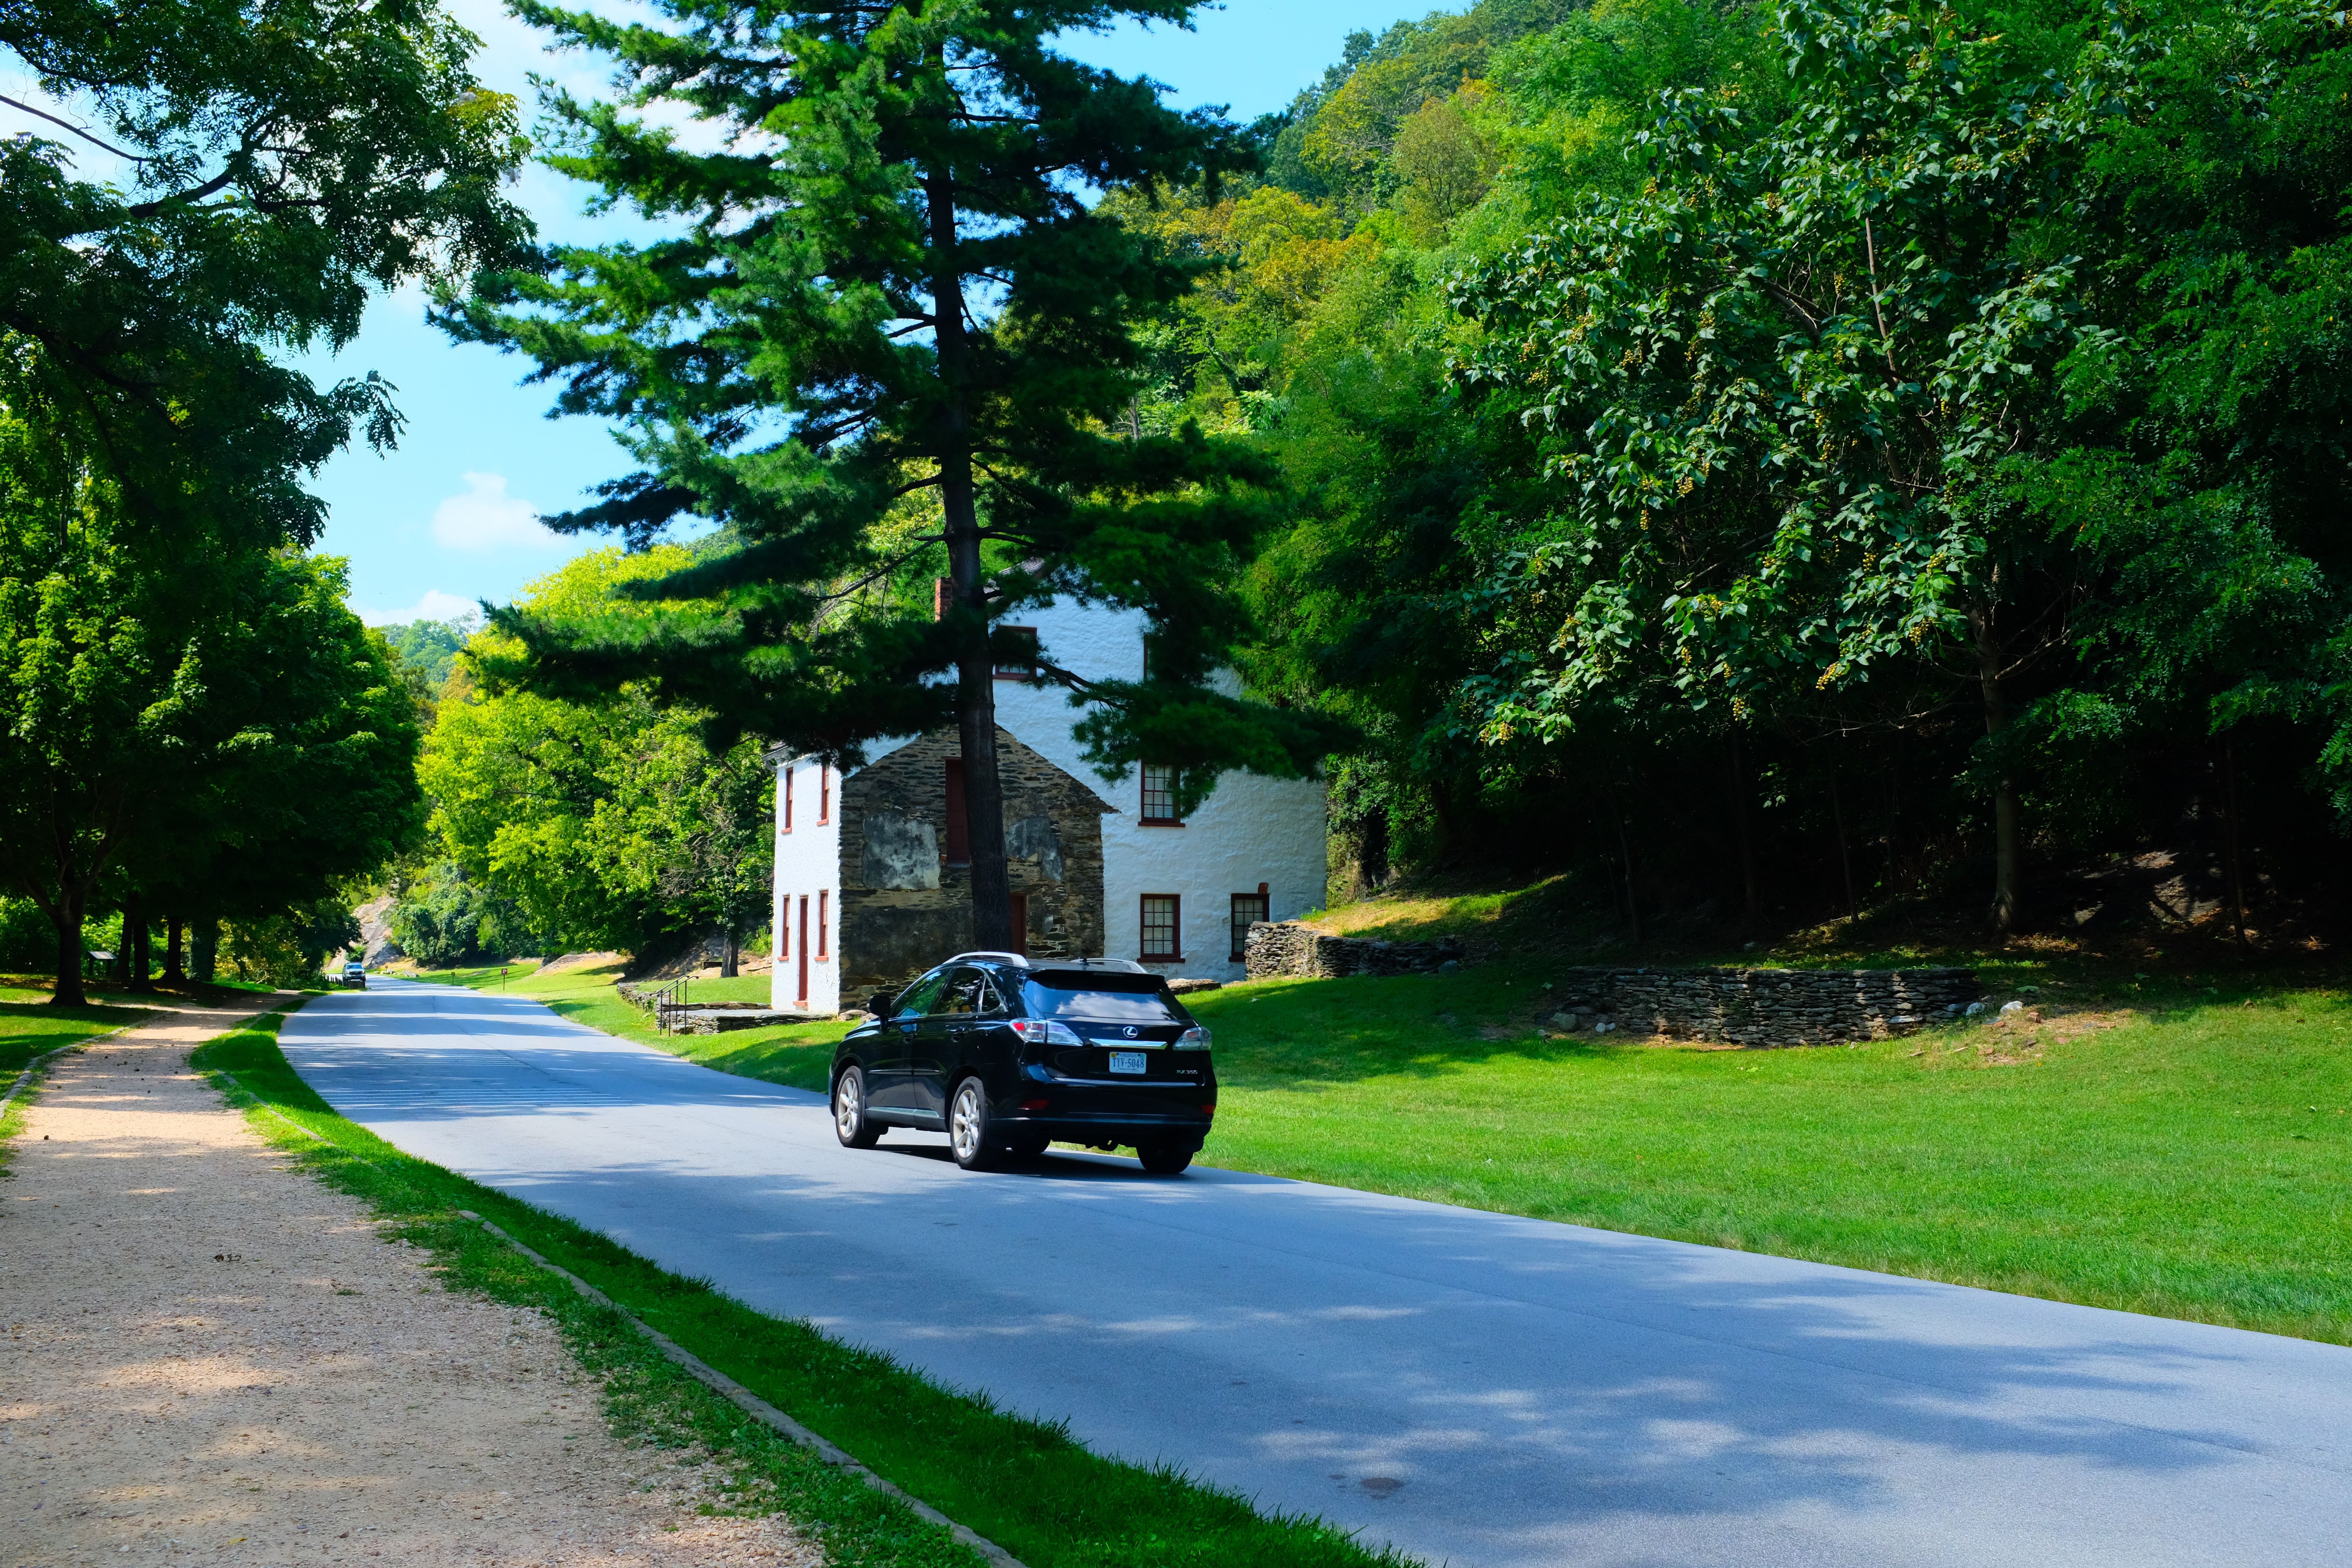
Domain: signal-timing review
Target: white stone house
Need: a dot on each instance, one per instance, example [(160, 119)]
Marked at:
[(869, 889)]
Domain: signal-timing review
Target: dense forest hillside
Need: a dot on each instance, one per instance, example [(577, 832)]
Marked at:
[(1782, 460)]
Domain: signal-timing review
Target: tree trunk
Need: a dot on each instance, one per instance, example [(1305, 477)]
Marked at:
[(67, 916), (1845, 855), (1751, 907), (1441, 809), (204, 951), (984, 790), (175, 969), (2006, 888), (138, 952), (2230, 831), (1633, 901), (730, 957)]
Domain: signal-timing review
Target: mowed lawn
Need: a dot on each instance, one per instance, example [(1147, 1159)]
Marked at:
[(29, 1026), (2186, 1156), (2187, 1153), (799, 1054)]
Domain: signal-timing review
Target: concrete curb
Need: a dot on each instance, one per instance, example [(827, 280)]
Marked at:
[(702, 1370)]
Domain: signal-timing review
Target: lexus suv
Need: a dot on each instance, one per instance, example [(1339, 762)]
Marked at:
[(1006, 1055)]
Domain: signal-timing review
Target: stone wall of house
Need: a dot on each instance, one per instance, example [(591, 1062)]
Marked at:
[(904, 908), (1762, 1007), (1286, 947)]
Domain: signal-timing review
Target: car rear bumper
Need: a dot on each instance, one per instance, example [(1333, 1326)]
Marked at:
[(1184, 1132)]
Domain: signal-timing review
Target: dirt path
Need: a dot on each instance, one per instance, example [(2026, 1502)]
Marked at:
[(212, 1358)]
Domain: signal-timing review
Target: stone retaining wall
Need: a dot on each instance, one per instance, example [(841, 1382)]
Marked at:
[(1286, 947), (1762, 1006)]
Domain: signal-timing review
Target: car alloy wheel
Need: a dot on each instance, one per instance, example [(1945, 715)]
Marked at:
[(850, 1123), (968, 1126)]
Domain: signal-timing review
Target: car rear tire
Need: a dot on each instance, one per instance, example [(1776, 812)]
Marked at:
[(1164, 1160), (850, 1123), (968, 1133)]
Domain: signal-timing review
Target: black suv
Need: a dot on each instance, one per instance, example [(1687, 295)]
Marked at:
[(1006, 1055)]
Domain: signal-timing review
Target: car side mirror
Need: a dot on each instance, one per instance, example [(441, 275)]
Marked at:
[(882, 1003)]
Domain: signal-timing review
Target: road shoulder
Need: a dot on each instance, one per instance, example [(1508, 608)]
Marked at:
[(212, 1353)]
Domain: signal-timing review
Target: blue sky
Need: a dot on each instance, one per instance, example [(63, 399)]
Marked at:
[(448, 519)]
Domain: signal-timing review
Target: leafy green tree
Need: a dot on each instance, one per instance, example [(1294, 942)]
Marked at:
[(2209, 401), (1780, 385), (891, 292), (608, 821), (280, 159), (214, 732)]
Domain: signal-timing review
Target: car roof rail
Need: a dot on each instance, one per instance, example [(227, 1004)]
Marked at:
[(992, 957), (1115, 965)]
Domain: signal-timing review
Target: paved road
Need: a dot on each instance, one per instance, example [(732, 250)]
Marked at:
[(1483, 1391)]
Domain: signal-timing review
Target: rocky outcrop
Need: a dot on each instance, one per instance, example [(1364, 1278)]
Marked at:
[(1286, 947), (1762, 1007), (376, 946)]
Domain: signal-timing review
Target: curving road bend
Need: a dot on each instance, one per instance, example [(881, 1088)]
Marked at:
[(1483, 1391)]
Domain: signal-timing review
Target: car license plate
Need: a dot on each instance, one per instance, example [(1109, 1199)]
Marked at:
[(1127, 1062)]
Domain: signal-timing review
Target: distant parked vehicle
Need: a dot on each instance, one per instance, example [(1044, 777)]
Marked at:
[(1006, 1055), (355, 976)]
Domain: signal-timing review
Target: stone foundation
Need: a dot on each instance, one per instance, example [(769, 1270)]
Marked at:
[(1762, 1007), (1286, 947)]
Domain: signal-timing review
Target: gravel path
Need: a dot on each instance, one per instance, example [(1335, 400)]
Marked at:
[(213, 1358)]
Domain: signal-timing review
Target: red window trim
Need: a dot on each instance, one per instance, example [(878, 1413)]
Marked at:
[(1266, 912), (824, 795), (1143, 809), (1026, 677), (804, 949), (823, 924), (784, 929), (1176, 912), (789, 771)]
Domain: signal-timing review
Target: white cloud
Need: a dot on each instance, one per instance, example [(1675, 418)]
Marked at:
[(436, 606), (486, 518)]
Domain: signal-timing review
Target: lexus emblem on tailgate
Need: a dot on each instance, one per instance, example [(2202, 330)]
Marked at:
[(1132, 1031)]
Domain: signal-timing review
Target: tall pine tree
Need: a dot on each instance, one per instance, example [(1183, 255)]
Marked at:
[(888, 294)]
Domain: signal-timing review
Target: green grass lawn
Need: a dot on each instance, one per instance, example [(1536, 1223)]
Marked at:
[(29, 1026), (799, 1054), (2188, 1159), (2154, 1145)]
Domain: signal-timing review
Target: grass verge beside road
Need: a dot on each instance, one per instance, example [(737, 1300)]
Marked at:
[(1024, 1484), (799, 1055), (2184, 1153), (2177, 1145)]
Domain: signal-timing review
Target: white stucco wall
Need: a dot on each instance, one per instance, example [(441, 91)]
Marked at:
[(808, 867), (1251, 830)]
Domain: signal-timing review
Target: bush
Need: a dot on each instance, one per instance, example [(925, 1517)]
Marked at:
[(449, 920), (29, 942)]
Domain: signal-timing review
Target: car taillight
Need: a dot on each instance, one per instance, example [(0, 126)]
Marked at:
[(1043, 1032), (1210, 1108), (1037, 1105), (1195, 1038)]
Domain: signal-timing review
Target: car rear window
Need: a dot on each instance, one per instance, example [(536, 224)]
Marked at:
[(1097, 1004)]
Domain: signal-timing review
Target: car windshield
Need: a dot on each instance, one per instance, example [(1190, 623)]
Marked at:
[(1097, 1004)]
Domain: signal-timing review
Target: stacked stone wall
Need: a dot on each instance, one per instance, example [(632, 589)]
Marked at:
[(1762, 1006), (890, 934), (1288, 947)]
